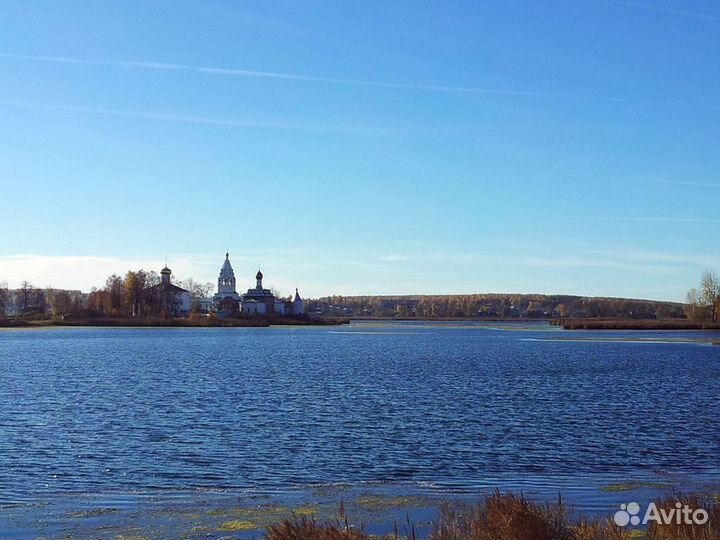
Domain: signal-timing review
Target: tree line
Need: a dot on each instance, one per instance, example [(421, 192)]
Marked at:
[(493, 306), (29, 300), (135, 294), (132, 294)]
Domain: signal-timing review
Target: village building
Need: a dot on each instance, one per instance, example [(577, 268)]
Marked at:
[(205, 305), (256, 301), (296, 306)]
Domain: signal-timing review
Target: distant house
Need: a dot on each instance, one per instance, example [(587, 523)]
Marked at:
[(283, 307), (205, 305), (296, 306), (253, 307)]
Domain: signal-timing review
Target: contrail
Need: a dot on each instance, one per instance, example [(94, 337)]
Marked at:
[(656, 219), (175, 118), (685, 183), (231, 72), (669, 10)]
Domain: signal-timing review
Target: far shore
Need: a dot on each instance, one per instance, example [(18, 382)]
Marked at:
[(156, 322), (263, 322)]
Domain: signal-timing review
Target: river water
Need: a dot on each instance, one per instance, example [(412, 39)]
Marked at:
[(413, 409)]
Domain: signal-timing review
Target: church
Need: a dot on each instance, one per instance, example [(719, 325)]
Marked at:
[(168, 299), (256, 301)]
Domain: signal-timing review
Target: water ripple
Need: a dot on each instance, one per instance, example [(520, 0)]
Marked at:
[(88, 410)]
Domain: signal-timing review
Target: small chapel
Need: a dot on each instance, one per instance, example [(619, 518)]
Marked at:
[(168, 299)]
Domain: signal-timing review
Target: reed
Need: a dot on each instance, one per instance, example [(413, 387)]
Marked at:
[(685, 531), (505, 516)]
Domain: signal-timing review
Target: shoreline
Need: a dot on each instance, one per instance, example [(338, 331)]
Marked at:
[(107, 322), (634, 324), (265, 322), (375, 508), (567, 324)]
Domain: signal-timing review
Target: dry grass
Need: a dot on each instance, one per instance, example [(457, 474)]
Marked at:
[(709, 531), (306, 528), (600, 530), (512, 517), (503, 517)]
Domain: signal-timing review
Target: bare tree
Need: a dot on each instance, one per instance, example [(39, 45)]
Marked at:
[(24, 296), (4, 298), (710, 292), (277, 294), (152, 278), (197, 291), (60, 302)]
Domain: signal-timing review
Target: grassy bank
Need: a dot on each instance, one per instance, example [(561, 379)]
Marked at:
[(511, 517), (635, 324), (339, 513)]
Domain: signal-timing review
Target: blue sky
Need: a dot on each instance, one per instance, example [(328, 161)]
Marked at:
[(563, 146)]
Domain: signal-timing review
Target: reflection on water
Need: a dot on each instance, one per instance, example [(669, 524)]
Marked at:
[(454, 407)]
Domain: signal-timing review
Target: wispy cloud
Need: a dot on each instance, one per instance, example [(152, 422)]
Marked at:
[(653, 219), (684, 183), (185, 119), (517, 257), (595, 262), (258, 74), (671, 258), (670, 10), (395, 257)]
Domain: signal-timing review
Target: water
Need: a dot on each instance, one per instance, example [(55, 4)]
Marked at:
[(429, 408)]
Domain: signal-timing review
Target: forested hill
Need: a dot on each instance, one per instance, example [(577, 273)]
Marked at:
[(493, 306)]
